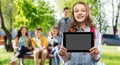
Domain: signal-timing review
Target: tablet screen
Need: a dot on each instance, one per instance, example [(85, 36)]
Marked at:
[(78, 41)]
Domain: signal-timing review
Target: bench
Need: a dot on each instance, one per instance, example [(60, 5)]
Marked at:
[(30, 56)]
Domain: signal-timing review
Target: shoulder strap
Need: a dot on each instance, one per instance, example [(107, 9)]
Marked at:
[(70, 30), (92, 29)]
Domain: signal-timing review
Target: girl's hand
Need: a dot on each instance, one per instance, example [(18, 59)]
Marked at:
[(94, 50), (63, 51)]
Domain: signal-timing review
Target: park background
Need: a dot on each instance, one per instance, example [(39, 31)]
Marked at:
[(45, 14)]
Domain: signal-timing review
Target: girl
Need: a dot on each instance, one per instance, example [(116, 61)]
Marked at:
[(82, 22), (22, 44), (54, 41)]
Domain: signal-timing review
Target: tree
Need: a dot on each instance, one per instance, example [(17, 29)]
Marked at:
[(101, 22), (8, 16), (6, 20), (34, 13), (115, 18)]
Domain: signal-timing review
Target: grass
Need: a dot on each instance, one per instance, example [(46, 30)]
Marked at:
[(5, 58), (110, 56)]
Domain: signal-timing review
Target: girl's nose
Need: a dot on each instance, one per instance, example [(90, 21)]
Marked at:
[(79, 12)]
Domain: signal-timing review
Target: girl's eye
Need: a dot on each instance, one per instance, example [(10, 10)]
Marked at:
[(83, 10), (80, 10), (76, 10)]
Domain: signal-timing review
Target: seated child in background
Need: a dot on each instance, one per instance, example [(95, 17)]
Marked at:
[(22, 45), (40, 45), (54, 41)]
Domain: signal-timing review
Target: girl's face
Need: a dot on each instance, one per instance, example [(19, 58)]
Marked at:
[(80, 12), (54, 32), (23, 31)]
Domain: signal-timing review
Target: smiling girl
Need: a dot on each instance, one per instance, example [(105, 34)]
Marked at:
[(82, 22)]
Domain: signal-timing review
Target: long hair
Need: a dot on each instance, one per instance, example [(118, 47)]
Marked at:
[(56, 29), (19, 32), (88, 20)]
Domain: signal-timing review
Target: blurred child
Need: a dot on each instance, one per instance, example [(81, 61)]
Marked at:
[(40, 45), (54, 41), (22, 44)]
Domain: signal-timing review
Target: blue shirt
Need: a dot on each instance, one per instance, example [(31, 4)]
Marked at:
[(22, 41), (63, 25), (38, 42), (54, 40), (81, 58)]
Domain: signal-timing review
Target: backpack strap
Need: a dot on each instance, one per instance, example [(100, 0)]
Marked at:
[(92, 29), (70, 30)]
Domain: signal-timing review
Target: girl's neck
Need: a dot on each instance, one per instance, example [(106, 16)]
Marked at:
[(54, 36), (82, 26), (23, 35)]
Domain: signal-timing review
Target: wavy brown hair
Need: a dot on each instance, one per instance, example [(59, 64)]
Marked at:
[(88, 21), (19, 34)]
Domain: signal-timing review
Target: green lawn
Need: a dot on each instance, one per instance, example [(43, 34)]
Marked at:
[(110, 56), (5, 58)]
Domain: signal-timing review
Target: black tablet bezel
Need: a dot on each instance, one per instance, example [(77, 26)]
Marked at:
[(92, 40)]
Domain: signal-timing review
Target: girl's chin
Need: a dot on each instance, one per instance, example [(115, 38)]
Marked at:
[(80, 21)]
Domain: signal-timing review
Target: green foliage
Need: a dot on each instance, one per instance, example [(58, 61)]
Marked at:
[(34, 14), (8, 11)]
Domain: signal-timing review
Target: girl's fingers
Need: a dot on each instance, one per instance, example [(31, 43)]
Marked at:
[(94, 50), (63, 48), (62, 51), (91, 49), (91, 52)]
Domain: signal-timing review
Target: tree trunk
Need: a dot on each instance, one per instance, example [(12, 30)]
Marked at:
[(8, 44), (116, 21), (113, 18), (100, 21)]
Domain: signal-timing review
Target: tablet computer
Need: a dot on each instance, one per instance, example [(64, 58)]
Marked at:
[(78, 41)]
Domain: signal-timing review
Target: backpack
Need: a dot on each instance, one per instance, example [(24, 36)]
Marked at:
[(92, 29)]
